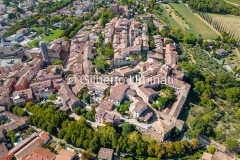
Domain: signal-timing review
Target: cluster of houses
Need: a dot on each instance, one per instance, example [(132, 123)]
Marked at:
[(33, 147), (128, 37), (120, 10), (26, 12), (82, 51), (29, 148), (38, 79), (143, 94), (33, 82), (77, 8)]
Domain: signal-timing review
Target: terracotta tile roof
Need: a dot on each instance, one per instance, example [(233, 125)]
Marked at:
[(2, 108), (147, 90), (3, 150), (155, 56), (26, 94), (105, 115), (207, 156), (67, 95), (22, 29), (177, 74), (162, 127), (106, 105), (105, 153), (65, 155), (78, 87), (29, 148), (41, 154), (41, 86), (118, 91), (177, 106), (44, 135), (23, 143), (139, 106), (221, 156), (131, 92), (170, 59), (218, 146), (171, 48)]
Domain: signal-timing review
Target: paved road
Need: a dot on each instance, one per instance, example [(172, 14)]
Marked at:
[(76, 117), (96, 124)]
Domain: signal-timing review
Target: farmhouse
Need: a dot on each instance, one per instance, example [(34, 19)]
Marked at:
[(222, 52)]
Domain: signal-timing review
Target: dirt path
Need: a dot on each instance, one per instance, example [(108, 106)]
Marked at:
[(181, 22), (235, 4), (192, 58), (204, 21), (238, 54)]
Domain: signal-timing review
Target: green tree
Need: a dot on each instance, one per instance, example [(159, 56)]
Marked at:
[(127, 128), (11, 15), (194, 143), (170, 150), (199, 126), (12, 136), (108, 136), (179, 148), (10, 107), (164, 32), (44, 126), (94, 145), (109, 53), (87, 155), (233, 94), (190, 39), (232, 143), (61, 134), (35, 43), (57, 62), (51, 129), (52, 97), (100, 64), (211, 149), (168, 41)]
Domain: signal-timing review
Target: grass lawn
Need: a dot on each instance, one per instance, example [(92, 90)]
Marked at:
[(197, 26), (171, 20), (54, 34), (230, 21)]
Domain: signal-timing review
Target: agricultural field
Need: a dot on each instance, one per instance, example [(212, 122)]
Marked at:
[(170, 20), (231, 23), (196, 25), (226, 122)]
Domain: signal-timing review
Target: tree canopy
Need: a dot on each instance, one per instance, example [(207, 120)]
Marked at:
[(214, 6)]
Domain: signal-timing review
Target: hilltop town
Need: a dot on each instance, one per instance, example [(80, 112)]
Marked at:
[(109, 79)]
